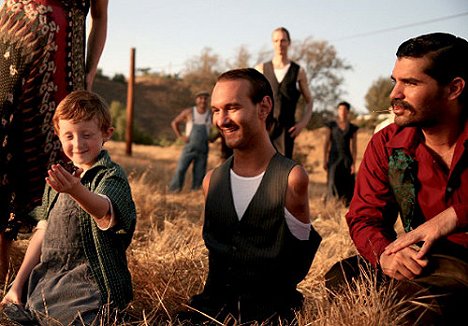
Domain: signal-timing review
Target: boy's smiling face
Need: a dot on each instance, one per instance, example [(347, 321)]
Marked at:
[(82, 141)]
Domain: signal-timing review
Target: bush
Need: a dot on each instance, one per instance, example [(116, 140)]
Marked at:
[(119, 119)]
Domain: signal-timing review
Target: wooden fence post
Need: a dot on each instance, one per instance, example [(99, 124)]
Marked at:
[(130, 102)]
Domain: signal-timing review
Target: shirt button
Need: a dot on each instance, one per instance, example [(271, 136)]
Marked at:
[(449, 189)]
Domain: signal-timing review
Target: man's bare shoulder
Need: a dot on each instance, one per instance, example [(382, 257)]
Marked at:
[(206, 182), (302, 75), (185, 114), (297, 195), (186, 111), (298, 177)]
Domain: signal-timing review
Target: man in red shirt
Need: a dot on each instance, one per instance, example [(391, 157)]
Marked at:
[(417, 168)]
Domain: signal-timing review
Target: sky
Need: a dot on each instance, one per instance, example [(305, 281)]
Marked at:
[(366, 33)]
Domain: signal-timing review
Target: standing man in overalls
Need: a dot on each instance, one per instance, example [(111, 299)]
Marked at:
[(197, 121)]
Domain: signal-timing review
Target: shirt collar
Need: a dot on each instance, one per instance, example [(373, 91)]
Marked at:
[(405, 137), (464, 135), (462, 143), (103, 160), (410, 137)]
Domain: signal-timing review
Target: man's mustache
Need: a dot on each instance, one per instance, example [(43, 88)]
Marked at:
[(401, 103)]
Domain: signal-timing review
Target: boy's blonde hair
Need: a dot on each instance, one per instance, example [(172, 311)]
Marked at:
[(83, 106)]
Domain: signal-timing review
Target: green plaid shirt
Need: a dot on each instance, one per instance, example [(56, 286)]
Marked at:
[(105, 250)]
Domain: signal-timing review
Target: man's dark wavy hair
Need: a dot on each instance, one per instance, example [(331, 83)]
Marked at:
[(259, 85), (448, 55)]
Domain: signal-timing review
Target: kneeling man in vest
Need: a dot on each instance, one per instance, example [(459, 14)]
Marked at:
[(257, 226)]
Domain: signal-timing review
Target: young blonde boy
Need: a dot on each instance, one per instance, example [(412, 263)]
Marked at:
[(76, 263)]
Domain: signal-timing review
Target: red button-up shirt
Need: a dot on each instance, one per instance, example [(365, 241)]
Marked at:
[(373, 210)]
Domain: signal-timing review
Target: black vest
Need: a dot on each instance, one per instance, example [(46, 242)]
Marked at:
[(257, 257), (286, 93)]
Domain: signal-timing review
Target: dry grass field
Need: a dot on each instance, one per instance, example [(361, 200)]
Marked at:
[(168, 259)]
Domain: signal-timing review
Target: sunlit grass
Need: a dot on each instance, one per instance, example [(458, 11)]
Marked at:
[(168, 259)]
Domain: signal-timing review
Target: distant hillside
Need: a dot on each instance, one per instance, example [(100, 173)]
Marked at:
[(157, 101)]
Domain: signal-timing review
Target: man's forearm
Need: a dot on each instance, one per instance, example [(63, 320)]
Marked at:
[(307, 113)]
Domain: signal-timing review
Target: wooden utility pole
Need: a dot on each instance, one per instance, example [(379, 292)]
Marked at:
[(130, 101)]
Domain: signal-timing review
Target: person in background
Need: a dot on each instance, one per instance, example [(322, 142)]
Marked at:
[(417, 168), (197, 121), (288, 81), (75, 267), (42, 59), (339, 154), (257, 222)]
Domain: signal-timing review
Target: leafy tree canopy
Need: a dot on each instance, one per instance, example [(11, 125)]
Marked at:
[(378, 95)]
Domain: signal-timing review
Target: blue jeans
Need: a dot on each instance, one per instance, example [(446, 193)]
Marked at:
[(195, 151)]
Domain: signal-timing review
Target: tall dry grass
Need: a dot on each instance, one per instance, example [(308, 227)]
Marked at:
[(168, 260)]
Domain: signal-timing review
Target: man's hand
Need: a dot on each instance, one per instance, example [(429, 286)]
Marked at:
[(185, 139), (402, 265), (61, 180), (437, 227), (295, 130)]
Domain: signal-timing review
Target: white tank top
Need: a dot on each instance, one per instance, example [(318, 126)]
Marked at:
[(243, 190), (198, 119), (281, 72)]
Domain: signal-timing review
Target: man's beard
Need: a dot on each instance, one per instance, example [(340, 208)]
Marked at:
[(411, 121)]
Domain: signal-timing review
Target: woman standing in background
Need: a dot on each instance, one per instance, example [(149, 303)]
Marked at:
[(42, 59)]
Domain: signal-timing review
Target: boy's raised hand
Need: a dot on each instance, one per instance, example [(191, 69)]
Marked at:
[(11, 297), (63, 181)]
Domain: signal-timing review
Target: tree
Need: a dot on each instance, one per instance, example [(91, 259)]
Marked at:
[(201, 71), (378, 95), (117, 112), (119, 78), (144, 71), (119, 119), (241, 59), (100, 75), (324, 70)]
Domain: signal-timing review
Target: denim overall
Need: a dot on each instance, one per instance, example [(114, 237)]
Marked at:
[(195, 151), (62, 283)]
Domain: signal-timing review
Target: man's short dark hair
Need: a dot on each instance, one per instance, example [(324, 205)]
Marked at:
[(259, 86), (345, 104), (448, 55)]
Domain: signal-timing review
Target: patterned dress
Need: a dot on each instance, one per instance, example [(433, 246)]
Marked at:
[(42, 59)]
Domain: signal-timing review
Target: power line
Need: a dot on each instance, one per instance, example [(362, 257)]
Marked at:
[(402, 26)]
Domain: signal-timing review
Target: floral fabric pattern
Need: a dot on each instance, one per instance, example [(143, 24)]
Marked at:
[(41, 60), (402, 172)]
